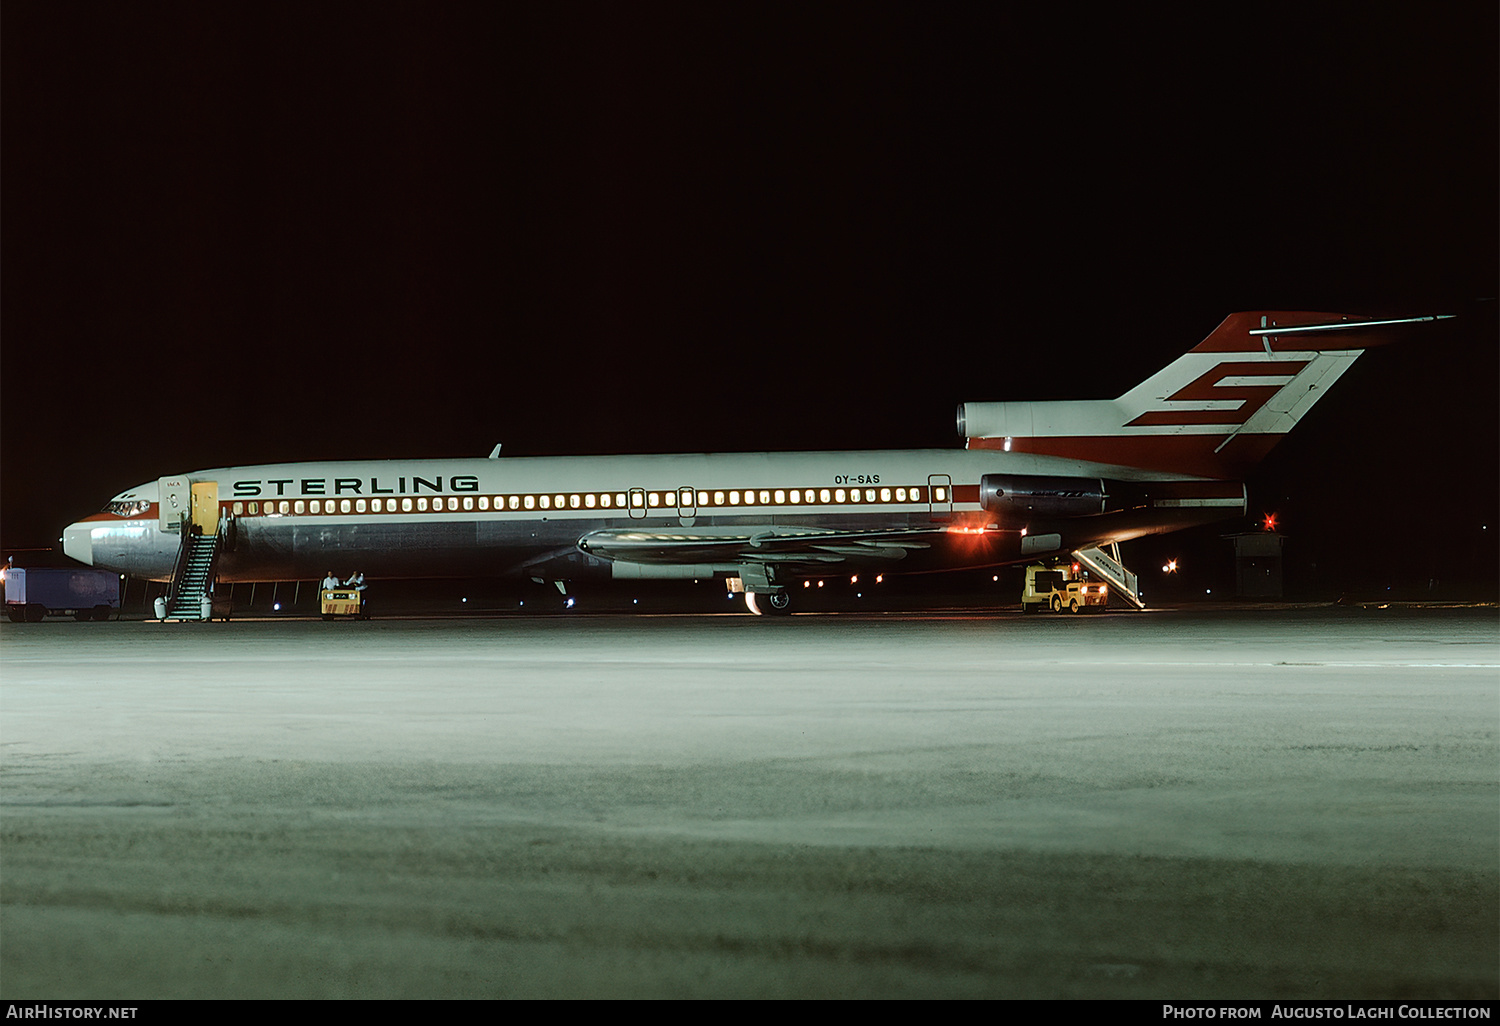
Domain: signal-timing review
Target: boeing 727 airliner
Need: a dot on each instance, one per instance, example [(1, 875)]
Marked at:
[(1036, 481)]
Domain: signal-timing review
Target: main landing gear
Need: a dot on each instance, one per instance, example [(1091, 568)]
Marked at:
[(769, 603), (764, 595)]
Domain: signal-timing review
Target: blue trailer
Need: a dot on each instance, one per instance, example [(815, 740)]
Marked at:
[(32, 593)]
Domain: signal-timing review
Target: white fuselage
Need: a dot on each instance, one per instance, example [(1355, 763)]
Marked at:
[(484, 517)]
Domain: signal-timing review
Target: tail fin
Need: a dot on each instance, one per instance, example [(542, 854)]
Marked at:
[(1212, 413)]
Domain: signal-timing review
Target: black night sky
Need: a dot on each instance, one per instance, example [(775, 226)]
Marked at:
[(241, 233)]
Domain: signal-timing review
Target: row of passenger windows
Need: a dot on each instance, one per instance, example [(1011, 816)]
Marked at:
[(638, 499)]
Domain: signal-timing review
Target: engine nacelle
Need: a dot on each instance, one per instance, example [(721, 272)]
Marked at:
[(1030, 495)]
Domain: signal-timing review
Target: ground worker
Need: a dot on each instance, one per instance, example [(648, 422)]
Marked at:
[(357, 582)]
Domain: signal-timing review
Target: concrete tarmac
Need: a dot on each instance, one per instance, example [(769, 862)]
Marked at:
[(1297, 803)]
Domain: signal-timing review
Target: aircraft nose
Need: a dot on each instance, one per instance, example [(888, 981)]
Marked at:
[(78, 542)]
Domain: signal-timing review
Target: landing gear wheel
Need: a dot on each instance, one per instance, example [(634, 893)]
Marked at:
[(776, 603)]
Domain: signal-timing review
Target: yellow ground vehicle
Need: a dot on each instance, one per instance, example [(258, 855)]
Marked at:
[(1064, 587), (342, 602)]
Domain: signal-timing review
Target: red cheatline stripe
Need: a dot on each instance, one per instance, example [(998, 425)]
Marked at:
[(104, 517)]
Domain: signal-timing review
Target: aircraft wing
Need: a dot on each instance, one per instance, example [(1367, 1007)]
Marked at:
[(770, 545)]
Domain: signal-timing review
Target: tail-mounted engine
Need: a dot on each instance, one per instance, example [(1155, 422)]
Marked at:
[(1042, 497)]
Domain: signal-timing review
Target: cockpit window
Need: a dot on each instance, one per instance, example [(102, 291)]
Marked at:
[(132, 508)]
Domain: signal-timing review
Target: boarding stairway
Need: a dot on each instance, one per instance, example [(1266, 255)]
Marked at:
[(1108, 566), (192, 576)]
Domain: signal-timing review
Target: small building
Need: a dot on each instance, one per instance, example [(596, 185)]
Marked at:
[(1257, 564)]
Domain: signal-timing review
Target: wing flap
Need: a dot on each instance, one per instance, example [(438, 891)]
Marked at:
[(779, 545)]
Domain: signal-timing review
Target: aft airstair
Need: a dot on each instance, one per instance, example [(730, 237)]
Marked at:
[(192, 576), (1108, 566)]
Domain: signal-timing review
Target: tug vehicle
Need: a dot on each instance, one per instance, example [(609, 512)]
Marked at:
[(342, 602), (1063, 587)]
